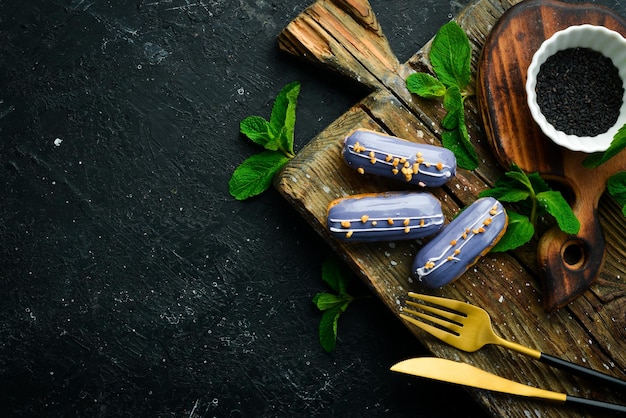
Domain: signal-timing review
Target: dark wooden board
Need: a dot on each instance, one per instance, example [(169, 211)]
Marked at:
[(344, 35), (568, 263)]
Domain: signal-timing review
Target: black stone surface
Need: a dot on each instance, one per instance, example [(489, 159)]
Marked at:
[(131, 282)]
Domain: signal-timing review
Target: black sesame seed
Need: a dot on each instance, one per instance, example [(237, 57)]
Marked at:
[(579, 91)]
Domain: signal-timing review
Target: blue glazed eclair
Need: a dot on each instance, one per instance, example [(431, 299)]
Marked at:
[(371, 152), (390, 216), (461, 243)]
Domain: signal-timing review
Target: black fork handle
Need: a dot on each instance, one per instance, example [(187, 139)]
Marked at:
[(581, 371)]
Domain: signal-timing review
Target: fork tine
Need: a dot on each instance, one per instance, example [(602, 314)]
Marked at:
[(454, 317), (449, 326), (456, 305), (434, 331)]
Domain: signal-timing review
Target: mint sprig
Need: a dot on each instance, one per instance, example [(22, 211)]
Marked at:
[(255, 174), (332, 305), (535, 197), (450, 56)]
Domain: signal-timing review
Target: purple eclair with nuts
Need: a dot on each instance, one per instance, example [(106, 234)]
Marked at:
[(390, 216), (371, 152), (461, 243)]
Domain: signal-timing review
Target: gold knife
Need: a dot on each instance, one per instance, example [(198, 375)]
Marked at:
[(467, 375)]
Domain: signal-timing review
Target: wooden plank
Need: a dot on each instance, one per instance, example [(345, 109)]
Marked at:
[(590, 331)]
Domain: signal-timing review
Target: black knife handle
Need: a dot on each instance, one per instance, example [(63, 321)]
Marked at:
[(580, 370), (595, 404)]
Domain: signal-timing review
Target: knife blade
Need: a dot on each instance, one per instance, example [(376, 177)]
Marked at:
[(468, 375)]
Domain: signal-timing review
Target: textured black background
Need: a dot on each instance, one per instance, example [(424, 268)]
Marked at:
[(131, 283)]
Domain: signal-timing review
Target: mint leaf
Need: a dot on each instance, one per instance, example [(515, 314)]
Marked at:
[(257, 129), (335, 275), (450, 56), (254, 175), (554, 203), (537, 183), (617, 144), (283, 117), (328, 327), (453, 103), (425, 85), (519, 231), (325, 301), (465, 157), (616, 187), (520, 177)]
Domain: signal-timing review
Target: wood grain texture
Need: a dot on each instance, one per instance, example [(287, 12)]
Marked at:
[(589, 331), (568, 263)]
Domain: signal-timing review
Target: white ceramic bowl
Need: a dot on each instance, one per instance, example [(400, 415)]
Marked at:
[(612, 45)]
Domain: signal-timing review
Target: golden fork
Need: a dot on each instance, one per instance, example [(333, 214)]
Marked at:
[(468, 328)]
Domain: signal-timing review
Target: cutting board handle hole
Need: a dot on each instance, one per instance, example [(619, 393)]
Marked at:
[(574, 254)]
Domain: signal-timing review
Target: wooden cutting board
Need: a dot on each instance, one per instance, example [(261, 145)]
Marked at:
[(345, 36)]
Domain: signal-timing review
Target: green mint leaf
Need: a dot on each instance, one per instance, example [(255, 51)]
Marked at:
[(465, 157), (554, 203), (254, 175), (518, 175), (537, 183), (617, 144), (328, 327), (257, 129), (616, 187), (336, 275), (325, 301), (283, 117), (506, 194), (519, 231), (450, 56), (425, 85), (453, 103)]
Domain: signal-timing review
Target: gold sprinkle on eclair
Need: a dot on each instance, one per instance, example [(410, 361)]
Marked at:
[(429, 265), (374, 223), (453, 242), (439, 166), (349, 234), (388, 157), (450, 258), (395, 171), (406, 222), (345, 224), (488, 221), (422, 222), (407, 230), (416, 168), (457, 252), (364, 218), (358, 147), (402, 160), (419, 154), (360, 170), (390, 221)]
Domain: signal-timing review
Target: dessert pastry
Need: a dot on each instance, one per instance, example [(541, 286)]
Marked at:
[(384, 155), (387, 216), (461, 243)]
